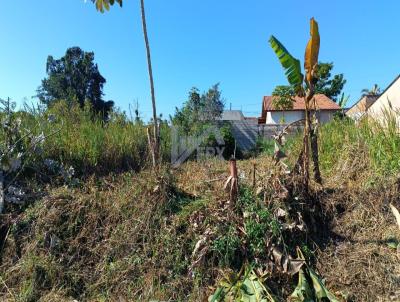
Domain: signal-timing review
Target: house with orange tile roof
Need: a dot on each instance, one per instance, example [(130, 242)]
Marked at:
[(324, 107)]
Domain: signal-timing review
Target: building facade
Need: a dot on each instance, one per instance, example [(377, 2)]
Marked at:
[(323, 106)]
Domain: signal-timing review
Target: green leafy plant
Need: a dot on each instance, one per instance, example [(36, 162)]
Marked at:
[(226, 246), (310, 287), (247, 287)]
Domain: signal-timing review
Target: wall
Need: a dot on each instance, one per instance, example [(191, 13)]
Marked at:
[(391, 94), (325, 116), (287, 117), (284, 117), (247, 132), (361, 106)]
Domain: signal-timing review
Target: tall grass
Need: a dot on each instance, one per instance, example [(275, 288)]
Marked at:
[(90, 144), (372, 143), (343, 139), (75, 137)]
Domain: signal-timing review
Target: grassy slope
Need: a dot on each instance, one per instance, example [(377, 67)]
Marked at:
[(132, 235)]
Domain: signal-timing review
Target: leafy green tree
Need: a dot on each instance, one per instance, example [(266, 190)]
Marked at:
[(199, 109), (74, 77), (154, 142), (283, 97), (327, 84), (199, 112)]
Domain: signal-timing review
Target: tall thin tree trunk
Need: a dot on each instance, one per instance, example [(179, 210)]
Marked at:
[(155, 146)]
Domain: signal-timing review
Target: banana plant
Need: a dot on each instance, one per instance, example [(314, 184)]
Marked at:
[(303, 87)]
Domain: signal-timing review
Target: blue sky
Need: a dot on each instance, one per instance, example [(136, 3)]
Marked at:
[(197, 43)]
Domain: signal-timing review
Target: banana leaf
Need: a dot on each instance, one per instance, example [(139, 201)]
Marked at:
[(312, 51), (249, 289), (105, 4), (289, 63), (310, 288), (303, 291), (321, 292)]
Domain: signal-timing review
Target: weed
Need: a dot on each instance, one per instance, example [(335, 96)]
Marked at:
[(227, 247)]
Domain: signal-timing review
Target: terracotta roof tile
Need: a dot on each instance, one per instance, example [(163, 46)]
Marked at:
[(322, 103)]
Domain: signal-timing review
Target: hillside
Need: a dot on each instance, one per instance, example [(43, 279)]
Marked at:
[(173, 235)]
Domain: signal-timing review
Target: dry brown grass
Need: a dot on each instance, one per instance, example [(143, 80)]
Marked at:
[(360, 265), (131, 236)]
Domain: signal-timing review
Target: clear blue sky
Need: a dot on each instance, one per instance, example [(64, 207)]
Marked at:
[(197, 43)]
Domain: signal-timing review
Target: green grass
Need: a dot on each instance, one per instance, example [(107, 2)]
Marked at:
[(342, 139), (74, 137), (368, 144)]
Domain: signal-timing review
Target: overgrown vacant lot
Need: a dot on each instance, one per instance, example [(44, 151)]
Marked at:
[(173, 235)]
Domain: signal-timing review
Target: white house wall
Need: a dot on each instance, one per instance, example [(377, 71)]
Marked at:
[(287, 117), (284, 117), (392, 95), (325, 116)]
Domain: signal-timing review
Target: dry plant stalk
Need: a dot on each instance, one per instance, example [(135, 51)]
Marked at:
[(254, 175), (232, 182)]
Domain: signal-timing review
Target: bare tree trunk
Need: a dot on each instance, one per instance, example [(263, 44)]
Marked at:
[(155, 145)]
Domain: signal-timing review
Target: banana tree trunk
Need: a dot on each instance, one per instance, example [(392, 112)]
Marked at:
[(306, 147), (314, 153), (155, 144), (310, 139)]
